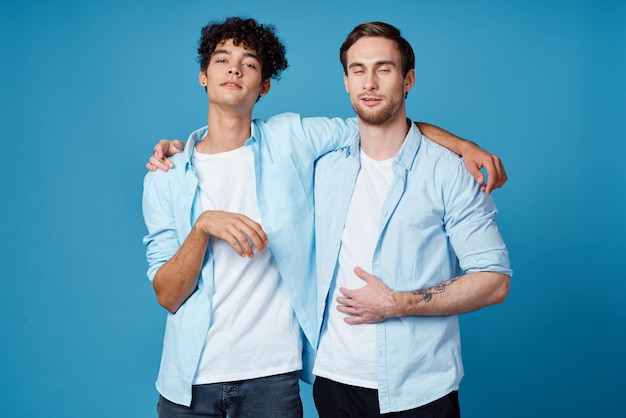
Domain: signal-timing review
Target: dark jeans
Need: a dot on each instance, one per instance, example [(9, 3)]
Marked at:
[(265, 397), (337, 400)]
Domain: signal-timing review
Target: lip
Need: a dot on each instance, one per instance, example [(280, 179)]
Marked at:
[(231, 84), (370, 100)]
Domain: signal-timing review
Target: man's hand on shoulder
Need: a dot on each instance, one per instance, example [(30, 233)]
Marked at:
[(162, 151), (476, 158)]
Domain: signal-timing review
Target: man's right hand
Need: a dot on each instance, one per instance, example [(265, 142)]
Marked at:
[(239, 231), (162, 150)]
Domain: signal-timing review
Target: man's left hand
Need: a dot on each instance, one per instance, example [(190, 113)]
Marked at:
[(372, 303)]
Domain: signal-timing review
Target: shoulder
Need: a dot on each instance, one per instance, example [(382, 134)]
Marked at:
[(283, 125), (280, 119), (437, 157), (295, 119), (173, 176), (446, 169), (433, 149)]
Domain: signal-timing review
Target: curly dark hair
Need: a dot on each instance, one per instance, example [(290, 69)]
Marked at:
[(255, 36)]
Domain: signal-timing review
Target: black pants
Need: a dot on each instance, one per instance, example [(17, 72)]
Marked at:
[(337, 400)]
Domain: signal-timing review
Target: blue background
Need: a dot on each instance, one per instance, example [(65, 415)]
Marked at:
[(87, 88)]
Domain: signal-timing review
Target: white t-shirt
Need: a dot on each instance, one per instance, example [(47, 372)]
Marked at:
[(254, 332), (347, 353)]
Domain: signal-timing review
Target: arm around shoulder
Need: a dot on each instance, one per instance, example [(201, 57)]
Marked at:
[(474, 157)]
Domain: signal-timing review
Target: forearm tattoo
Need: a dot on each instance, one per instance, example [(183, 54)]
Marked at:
[(427, 294)]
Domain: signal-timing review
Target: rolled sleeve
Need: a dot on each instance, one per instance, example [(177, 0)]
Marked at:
[(470, 224), (162, 239)]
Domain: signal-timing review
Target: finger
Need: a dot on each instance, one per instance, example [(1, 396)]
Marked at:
[(502, 177), (347, 293), (493, 174), (234, 229), (239, 242), (347, 310), (490, 183), (161, 149), (243, 242), (172, 149), (354, 320), (236, 245), (362, 274), (157, 151), (344, 301), (227, 234), (341, 308), (159, 164), (255, 233), (164, 149), (253, 241), (178, 144), (477, 174)]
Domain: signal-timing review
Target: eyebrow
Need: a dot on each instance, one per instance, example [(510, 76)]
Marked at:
[(228, 52), (378, 63)]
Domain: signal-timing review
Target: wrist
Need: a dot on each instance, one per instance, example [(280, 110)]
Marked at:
[(200, 228), (399, 304), (465, 147)]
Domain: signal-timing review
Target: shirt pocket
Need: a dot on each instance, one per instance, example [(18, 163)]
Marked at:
[(287, 185)]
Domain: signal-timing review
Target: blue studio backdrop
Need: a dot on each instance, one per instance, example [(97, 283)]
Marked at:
[(87, 88)]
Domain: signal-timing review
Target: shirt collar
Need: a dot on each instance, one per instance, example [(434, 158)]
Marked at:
[(195, 137), (406, 154), (408, 151), (255, 133), (199, 134)]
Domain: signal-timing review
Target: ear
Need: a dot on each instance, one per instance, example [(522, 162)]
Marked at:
[(202, 78), (345, 82), (409, 80), (265, 87)]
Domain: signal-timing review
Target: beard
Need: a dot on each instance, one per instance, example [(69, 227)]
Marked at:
[(379, 116)]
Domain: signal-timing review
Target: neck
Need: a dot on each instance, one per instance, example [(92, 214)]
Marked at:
[(382, 142), (227, 130)]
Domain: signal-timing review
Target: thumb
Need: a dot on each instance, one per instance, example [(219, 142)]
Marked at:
[(178, 144), (362, 274), (478, 175)]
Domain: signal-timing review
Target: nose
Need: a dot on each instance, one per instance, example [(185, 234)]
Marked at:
[(234, 71), (370, 83)]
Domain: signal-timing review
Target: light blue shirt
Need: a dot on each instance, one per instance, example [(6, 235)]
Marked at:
[(435, 222), (285, 148)]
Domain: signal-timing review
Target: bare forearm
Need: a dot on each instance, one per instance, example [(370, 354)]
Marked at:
[(177, 279), (455, 296)]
